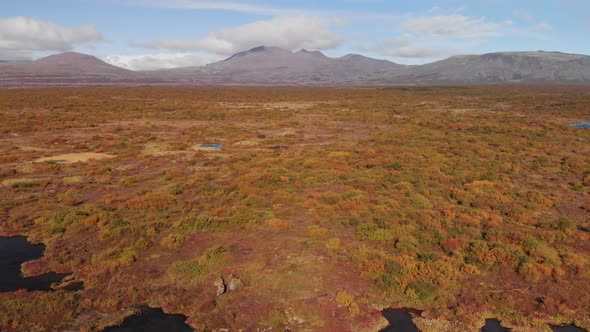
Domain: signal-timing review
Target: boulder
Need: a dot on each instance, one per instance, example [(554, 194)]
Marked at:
[(234, 283), (220, 286)]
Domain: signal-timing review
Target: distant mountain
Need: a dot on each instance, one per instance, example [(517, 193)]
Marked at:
[(81, 63), (275, 66), (68, 68), (272, 66), (503, 67)]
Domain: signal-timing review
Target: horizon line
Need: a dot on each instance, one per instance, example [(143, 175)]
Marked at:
[(293, 51)]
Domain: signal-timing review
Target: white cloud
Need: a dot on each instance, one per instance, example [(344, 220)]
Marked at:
[(267, 10), (416, 51), (453, 26), (397, 42), (218, 5), (403, 48), (160, 61), (289, 32), (22, 35), (436, 34)]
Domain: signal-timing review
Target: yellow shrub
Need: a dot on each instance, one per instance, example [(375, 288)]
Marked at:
[(346, 299)]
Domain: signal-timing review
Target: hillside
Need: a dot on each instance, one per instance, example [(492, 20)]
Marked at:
[(298, 209), (276, 66), (513, 67), (65, 69)]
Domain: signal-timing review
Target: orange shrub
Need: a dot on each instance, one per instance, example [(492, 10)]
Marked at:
[(151, 201)]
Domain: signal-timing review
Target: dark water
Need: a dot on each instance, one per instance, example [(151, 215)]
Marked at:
[(581, 125), (212, 146), (152, 320), (400, 320), (493, 325), (13, 252), (279, 148), (567, 328)]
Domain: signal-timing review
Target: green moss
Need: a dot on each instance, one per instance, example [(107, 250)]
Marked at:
[(187, 269), (372, 231), (212, 256), (425, 291), (420, 202)]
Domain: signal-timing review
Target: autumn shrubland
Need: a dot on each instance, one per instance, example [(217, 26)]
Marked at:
[(328, 204)]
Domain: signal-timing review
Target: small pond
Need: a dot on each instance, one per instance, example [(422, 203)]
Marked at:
[(211, 146), (400, 320), (493, 325), (13, 252), (152, 320), (567, 328), (279, 148), (581, 125)]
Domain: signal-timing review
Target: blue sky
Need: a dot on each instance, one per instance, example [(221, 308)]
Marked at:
[(148, 34)]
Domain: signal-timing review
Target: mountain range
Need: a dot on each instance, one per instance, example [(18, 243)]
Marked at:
[(275, 66)]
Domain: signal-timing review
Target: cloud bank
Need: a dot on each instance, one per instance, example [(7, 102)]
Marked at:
[(159, 61), (217, 5), (20, 36), (289, 32), (437, 35), (454, 26)]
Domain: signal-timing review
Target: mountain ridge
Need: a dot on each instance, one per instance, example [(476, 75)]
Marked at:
[(267, 65)]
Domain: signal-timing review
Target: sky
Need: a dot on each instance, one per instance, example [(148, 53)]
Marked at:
[(151, 34)]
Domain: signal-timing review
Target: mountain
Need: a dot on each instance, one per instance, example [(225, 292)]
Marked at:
[(81, 63), (503, 67), (275, 66), (68, 68)]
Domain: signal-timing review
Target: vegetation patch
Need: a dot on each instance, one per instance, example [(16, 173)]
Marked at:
[(324, 203)]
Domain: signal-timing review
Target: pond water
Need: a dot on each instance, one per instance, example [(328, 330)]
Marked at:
[(211, 146), (400, 320), (567, 328), (279, 148), (581, 125), (493, 325), (152, 320), (13, 252)]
